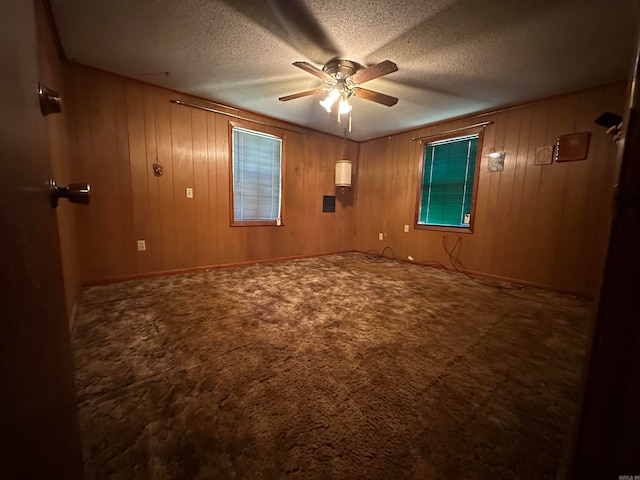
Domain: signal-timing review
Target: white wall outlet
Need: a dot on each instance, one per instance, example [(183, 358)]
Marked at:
[(406, 229), (142, 245), (189, 192), (381, 236)]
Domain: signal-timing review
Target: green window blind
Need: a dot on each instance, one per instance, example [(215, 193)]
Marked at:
[(257, 179), (447, 181)]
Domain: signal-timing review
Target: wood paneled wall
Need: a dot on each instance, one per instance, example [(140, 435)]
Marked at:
[(546, 225), (121, 127), (52, 73)]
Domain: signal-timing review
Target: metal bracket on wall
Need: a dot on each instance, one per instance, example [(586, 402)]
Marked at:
[(50, 101)]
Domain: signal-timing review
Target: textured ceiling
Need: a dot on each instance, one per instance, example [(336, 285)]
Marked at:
[(454, 56)]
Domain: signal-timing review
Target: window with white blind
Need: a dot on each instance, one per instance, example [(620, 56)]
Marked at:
[(256, 177), (450, 167)]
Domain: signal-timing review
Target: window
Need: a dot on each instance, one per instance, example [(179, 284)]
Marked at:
[(450, 167), (256, 172)]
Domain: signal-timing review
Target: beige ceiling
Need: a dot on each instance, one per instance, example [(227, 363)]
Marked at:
[(454, 56)]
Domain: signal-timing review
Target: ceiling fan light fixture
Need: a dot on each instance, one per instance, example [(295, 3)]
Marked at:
[(327, 103), (344, 107)]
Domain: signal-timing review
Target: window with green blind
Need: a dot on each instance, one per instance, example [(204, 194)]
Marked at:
[(449, 174), (256, 159)]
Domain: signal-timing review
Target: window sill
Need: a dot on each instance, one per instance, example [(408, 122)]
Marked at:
[(437, 228), (259, 223)]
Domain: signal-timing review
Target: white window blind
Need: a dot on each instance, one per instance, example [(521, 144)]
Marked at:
[(257, 179)]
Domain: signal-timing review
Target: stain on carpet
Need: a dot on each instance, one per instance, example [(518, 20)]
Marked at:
[(333, 367)]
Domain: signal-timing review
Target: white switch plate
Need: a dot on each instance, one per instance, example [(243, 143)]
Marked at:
[(381, 236), (189, 192), (406, 229), (142, 245)]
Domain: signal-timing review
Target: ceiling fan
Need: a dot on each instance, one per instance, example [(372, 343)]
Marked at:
[(343, 79)]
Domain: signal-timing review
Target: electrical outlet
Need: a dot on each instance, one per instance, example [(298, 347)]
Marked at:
[(381, 236), (189, 192), (142, 245), (406, 229)]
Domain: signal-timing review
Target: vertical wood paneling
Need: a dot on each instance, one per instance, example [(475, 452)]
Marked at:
[(106, 185), (521, 154), (505, 205), (526, 235), (201, 187), (139, 175), (551, 194), (165, 182), (568, 263), (493, 138), (129, 126), (541, 224), (90, 251), (533, 223), (154, 236), (182, 155), (215, 209), (124, 196)]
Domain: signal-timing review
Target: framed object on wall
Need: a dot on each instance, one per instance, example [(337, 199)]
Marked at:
[(573, 146), (544, 155)]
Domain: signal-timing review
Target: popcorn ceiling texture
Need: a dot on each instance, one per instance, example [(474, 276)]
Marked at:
[(454, 56), (327, 368)]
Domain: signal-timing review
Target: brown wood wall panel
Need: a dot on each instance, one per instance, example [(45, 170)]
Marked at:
[(539, 224), (151, 155), (139, 179), (165, 182), (124, 195), (121, 127)]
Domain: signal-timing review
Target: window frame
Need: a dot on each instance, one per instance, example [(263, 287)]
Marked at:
[(267, 131), (476, 177)]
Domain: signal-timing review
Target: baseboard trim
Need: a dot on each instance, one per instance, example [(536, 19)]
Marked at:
[(490, 276), (206, 268)]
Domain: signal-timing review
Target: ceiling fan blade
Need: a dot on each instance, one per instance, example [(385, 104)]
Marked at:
[(300, 95), (307, 67), (378, 70), (377, 97), (291, 21)]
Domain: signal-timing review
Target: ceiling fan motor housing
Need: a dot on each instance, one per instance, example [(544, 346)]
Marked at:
[(345, 67)]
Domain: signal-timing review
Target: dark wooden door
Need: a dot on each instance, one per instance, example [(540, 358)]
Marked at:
[(38, 421), (608, 437)]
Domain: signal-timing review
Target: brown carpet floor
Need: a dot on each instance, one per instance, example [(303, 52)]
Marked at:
[(334, 367)]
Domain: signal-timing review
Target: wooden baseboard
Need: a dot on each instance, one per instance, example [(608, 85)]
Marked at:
[(496, 278), (205, 268)]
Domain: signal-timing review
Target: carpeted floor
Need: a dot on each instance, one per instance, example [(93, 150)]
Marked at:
[(327, 368)]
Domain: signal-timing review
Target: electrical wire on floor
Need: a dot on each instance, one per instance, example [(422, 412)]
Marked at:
[(458, 266), (505, 288), (374, 256)]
